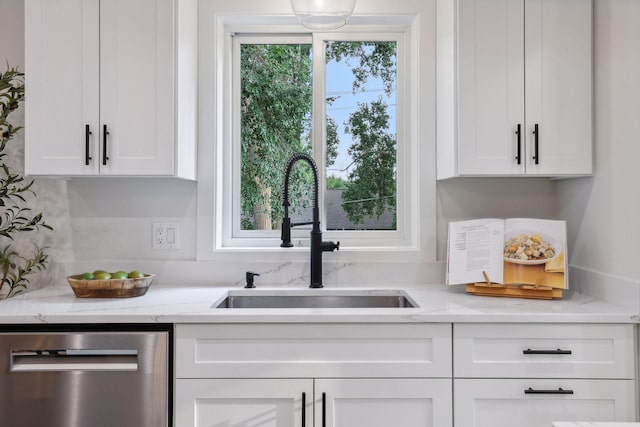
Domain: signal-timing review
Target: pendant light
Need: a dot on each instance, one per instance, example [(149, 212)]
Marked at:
[(323, 14)]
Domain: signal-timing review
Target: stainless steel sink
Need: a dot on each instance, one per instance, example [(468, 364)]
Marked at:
[(316, 299)]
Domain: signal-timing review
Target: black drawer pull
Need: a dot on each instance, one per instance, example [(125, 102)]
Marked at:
[(560, 390), (557, 351)]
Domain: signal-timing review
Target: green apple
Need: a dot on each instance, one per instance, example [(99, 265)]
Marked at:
[(120, 275), (136, 275), (102, 275)]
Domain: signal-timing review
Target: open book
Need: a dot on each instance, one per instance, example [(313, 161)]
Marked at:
[(516, 251)]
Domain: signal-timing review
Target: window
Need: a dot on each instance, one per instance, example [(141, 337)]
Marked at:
[(360, 134), (275, 76), (333, 96), (351, 99), (273, 81)]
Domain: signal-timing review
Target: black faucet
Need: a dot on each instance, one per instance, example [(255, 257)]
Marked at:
[(317, 245)]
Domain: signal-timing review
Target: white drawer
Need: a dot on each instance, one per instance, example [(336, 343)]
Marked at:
[(313, 350), (504, 402), (543, 351)]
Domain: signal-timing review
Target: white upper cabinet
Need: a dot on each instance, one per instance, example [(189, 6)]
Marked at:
[(62, 86), (514, 88), (558, 87), (490, 85), (108, 92)]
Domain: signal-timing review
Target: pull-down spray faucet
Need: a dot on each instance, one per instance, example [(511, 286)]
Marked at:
[(317, 246)]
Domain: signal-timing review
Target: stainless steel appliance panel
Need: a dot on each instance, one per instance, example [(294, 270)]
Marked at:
[(81, 379)]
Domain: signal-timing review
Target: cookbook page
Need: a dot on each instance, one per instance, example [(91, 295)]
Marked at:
[(535, 252), (473, 247)]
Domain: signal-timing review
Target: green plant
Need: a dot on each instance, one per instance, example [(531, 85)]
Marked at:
[(15, 218)]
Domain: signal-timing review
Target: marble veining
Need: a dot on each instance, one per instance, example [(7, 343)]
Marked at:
[(266, 273), (332, 268)]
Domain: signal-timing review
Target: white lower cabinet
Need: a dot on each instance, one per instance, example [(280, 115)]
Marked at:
[(313, 375), (326, 402), (529, 375), (382, 402), (244, 402), (403, 375), (537, 403)]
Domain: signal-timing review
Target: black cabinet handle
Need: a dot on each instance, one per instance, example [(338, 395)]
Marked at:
[(536, 133), (304, 408), (324, 409), (87, 133), (519, 133), (560, 390), (557, 351), (104, 145)]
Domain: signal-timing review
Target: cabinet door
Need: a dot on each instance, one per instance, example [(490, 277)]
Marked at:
[(244, 402), (558, 86), (137, 87), (505, 402), (383, 402), (61, 81), (490, 103)]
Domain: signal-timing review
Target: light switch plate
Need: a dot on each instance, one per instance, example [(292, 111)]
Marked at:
[(166, 235)]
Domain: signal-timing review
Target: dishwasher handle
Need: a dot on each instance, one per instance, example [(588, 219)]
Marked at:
[(42, 360)]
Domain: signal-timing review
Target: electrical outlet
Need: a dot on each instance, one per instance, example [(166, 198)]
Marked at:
[(166, 235)]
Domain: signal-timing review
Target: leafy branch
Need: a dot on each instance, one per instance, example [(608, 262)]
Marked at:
[(15, 218), (16, 269)]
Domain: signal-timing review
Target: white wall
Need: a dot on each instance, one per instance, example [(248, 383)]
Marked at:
[(11, 16), (604, 211), (106, 222)]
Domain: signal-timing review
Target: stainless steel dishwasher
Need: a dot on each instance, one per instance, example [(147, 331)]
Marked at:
[(87, 376)]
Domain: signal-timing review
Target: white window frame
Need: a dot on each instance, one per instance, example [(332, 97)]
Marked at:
[(351, 238), (415, 241)]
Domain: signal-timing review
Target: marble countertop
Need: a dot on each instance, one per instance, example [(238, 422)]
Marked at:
[(593, 424), (181, 304)]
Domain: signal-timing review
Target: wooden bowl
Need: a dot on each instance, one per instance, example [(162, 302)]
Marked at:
[(110, 288)]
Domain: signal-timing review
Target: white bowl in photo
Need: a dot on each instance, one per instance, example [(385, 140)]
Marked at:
[(550, 240)]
